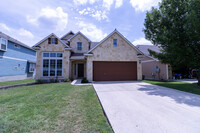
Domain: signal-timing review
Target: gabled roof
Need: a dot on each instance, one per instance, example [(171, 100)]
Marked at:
[(93, 44), (70, 32), (144, 49), (81, 34), (115, 31), (3, 35), (52, 34)]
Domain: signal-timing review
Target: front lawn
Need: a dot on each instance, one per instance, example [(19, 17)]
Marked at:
[(58, 107), (16, 82), (182, 86)]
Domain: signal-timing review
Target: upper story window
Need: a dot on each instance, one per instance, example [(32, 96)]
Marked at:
[(3, 44), (79, 45), (114, 43), (52, 41)]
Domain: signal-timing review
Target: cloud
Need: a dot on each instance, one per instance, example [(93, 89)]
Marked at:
[(100, 15), (97, 14), (83, 2), (118, 3), (92, 1), (4, 27), (91, 31), (142, 41), (22, 35), (107, 4), (143, 5), (80, 2), (25, 33), (56, 19)]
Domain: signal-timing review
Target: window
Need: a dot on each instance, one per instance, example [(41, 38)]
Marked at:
[(32, 67), (52, 54), (79, 45), (53, 41), (52, 64), (3, 44), (115, 43), (45, 54)]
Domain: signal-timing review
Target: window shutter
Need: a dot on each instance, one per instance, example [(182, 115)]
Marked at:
[(49, 40), (56, 40)]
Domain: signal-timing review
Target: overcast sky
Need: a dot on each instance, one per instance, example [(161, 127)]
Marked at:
[(31, 20)]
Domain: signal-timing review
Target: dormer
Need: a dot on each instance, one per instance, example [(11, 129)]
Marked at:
[(79, 43), (66, 37)]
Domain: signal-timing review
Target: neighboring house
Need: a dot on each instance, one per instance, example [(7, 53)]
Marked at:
[(17, 60), (152, 68), (75, 56)]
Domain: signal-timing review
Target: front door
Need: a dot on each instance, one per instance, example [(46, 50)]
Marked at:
[(80, 70)]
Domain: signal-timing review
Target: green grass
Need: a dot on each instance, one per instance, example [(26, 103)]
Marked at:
[(182, 86), (16, 82), (58, 107)]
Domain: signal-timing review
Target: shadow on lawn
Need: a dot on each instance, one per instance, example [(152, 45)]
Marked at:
[(179, 96)]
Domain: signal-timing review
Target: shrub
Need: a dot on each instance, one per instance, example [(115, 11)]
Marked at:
[(39, 81), (84, 80), (66, 80), (51, 80)]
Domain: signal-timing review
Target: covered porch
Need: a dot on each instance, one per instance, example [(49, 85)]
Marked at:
[(78, 66)]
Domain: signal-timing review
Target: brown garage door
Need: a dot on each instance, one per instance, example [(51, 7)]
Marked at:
[(114, 71)]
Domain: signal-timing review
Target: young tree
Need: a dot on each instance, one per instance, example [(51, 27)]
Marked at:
[(175, 26)]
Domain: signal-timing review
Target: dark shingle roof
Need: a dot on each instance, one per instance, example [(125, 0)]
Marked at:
[(144, 49), (3, 35), (93, 44)]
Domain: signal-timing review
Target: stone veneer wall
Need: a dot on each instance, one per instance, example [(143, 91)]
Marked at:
[(106, 52), (45, 47), (149, 67), (79, 38)]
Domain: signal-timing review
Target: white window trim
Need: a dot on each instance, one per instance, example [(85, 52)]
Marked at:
[(6, 43), (30, 70), (49, 58)]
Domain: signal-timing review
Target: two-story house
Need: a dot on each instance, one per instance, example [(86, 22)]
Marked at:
[(17, 60), (75, 56)]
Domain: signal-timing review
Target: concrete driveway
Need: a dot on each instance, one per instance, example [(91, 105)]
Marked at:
[(137, 107)]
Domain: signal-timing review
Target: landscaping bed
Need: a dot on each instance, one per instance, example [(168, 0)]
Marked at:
[(58, 107)]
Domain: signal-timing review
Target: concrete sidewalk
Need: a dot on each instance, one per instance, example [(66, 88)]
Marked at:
[(137, 107)]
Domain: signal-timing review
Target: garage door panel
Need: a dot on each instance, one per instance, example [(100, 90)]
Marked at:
[(114, 71)]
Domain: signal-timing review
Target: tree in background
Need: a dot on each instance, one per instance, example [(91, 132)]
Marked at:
[(175, 27)]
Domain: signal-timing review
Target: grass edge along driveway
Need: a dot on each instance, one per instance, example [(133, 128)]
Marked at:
[(182, 86), (58, 107)]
